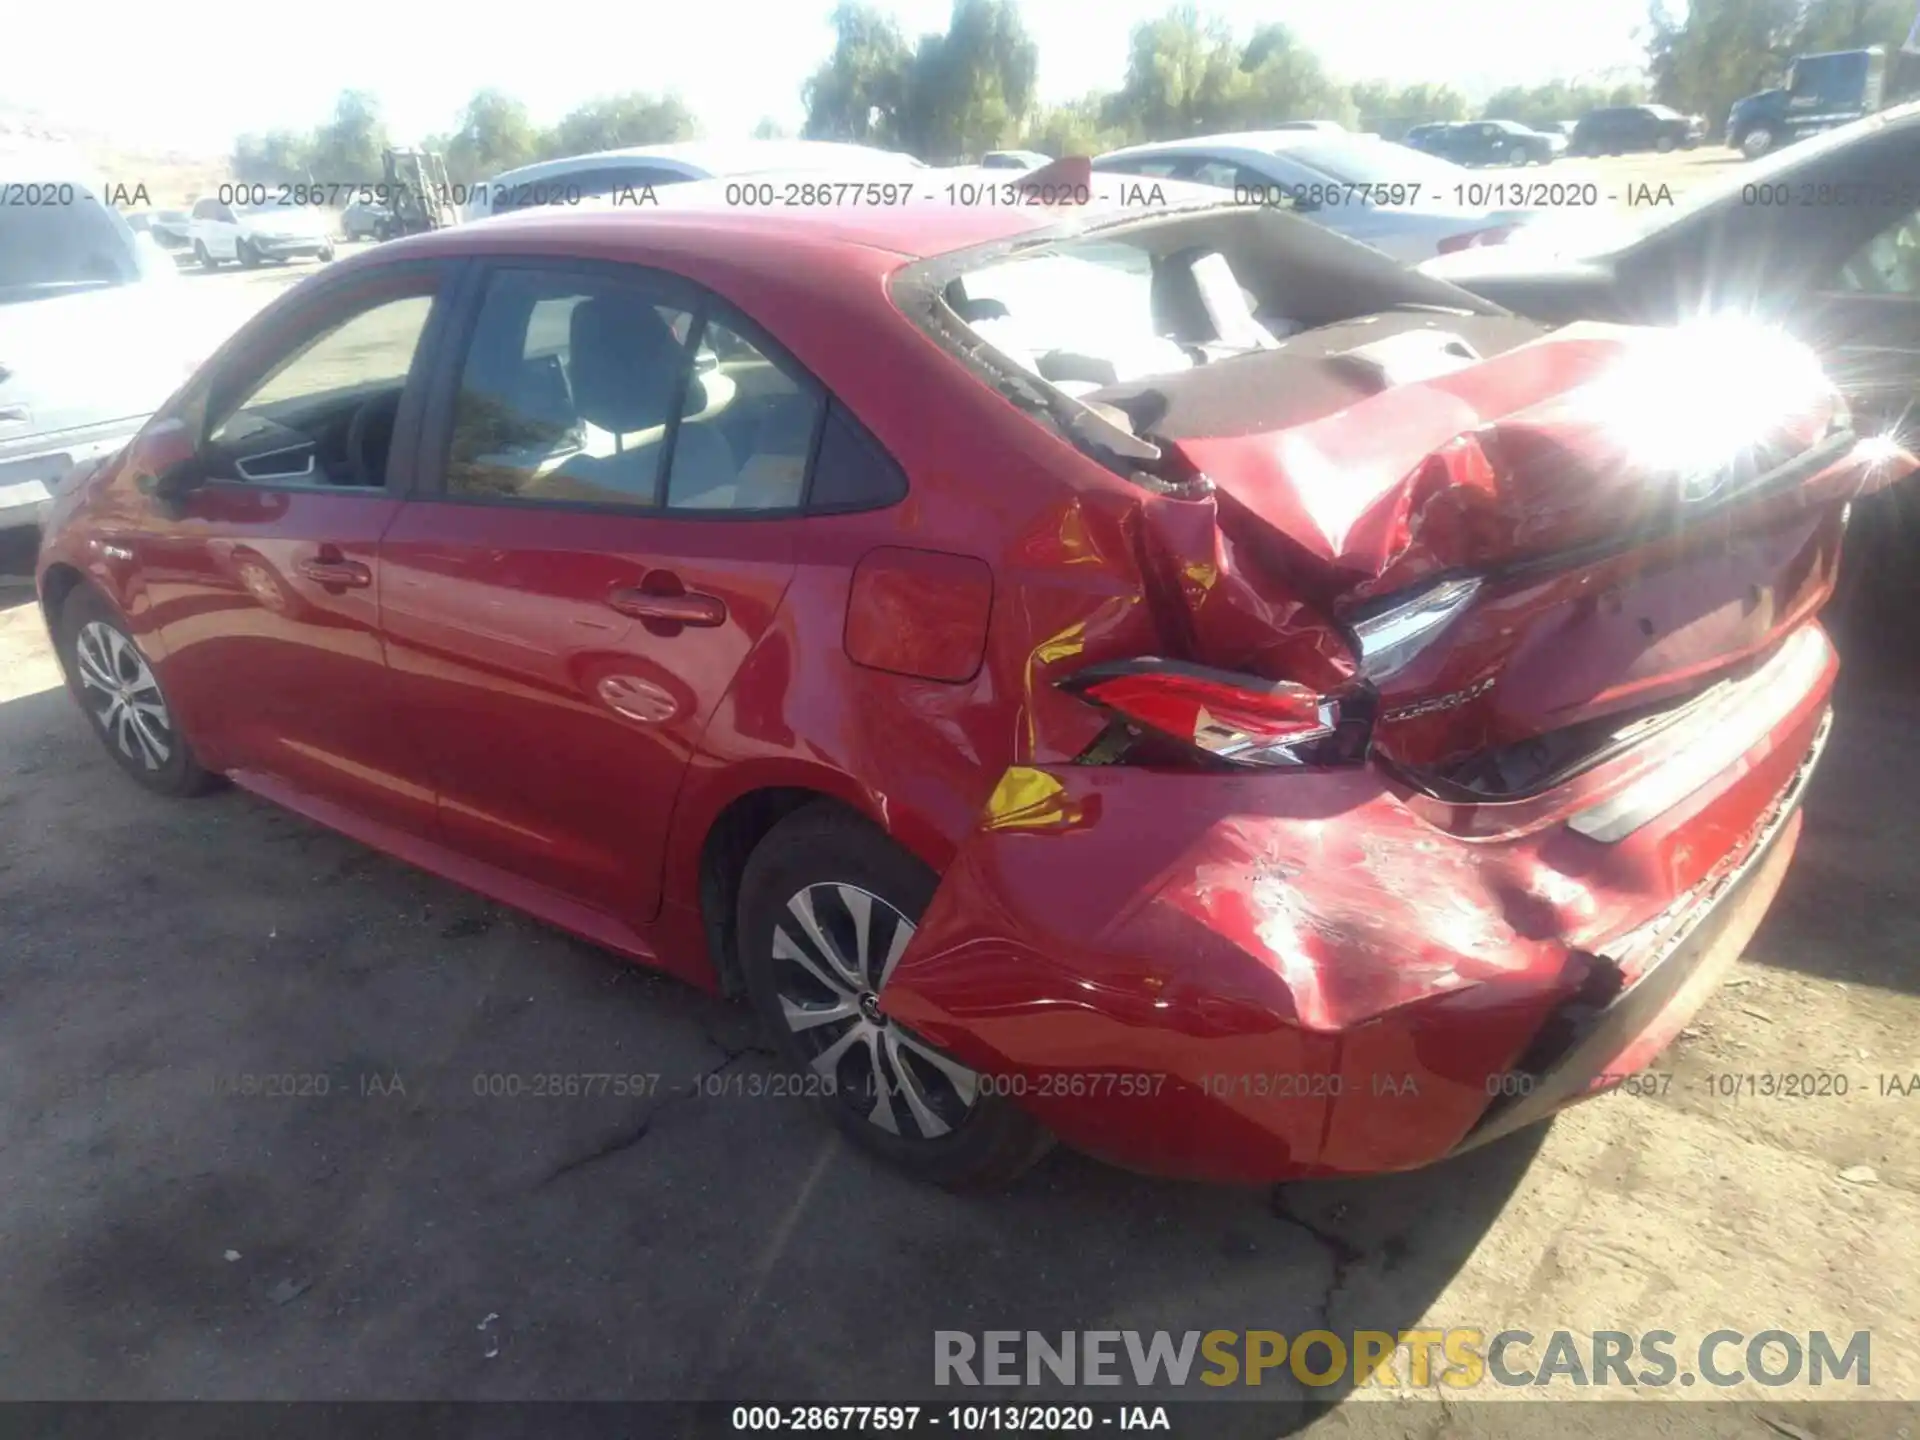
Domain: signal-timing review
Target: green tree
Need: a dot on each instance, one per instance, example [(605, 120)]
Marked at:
[(1184, 77), (495, 134), (970, 89), (1076, 128), (858, 94), (1853, 25), (770, 129), (1558, 100), (279, 157), (348, 149), (1286, 81), (616, 121), (1392, 110), (1720, 50)]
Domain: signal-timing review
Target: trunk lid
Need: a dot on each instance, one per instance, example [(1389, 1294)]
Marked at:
[(1580, 531)]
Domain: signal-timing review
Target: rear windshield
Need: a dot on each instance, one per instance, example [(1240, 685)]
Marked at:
[(1120, 303), (48, 249)]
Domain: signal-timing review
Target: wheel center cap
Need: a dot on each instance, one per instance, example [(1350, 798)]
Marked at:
[(870, 1008)]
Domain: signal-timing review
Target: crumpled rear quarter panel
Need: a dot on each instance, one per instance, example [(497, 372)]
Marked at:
[(1365, 959)]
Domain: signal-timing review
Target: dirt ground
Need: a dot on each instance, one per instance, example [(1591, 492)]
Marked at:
[(160, 1239)]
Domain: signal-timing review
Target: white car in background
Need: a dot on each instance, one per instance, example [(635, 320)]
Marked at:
[(251, 233), (97, 329), (574, 178), (1406, 204)]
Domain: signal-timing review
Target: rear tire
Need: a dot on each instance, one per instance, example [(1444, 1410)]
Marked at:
[(827, 901), (1757, 142), (122, 696), (204, 256)]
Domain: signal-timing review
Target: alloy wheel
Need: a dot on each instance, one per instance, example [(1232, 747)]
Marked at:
[(834, 951), (122, 695)]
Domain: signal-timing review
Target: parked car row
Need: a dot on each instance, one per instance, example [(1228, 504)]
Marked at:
[(1406, 204), (1615, 130), (1623, 129)]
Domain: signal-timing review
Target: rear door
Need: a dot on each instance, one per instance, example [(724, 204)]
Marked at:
[(614, 465)]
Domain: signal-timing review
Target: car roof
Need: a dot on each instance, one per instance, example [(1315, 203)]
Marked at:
[(726, 157), (1263, 140)]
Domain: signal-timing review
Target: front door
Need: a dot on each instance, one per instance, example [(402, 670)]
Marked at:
[(618, 466), (264, 582)]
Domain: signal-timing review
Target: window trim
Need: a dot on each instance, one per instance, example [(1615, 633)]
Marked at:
[(264, 334), (435, 439)]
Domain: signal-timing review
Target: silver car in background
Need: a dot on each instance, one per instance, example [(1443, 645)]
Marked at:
[(1406, 204), (95, 331), (574, 178)]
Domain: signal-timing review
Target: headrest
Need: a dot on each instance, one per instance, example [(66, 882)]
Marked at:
[(625, 365)]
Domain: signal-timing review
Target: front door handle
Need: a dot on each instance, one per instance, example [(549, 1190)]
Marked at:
[(332, 568), (686, 608)]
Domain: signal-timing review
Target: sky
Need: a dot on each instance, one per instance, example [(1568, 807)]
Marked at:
[(155, 76)]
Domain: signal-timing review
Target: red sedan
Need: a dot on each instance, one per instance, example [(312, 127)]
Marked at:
[(1167, 679)]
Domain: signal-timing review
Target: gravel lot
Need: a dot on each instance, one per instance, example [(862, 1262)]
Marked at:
[(403, 1236)]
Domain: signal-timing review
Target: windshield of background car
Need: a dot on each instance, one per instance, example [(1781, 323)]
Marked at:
[(49, 249), (1078, 313), (1377, 162)]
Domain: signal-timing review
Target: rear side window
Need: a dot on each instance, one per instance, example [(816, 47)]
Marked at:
[(747, 428), (584, 388), (568, 393), (852, 471)]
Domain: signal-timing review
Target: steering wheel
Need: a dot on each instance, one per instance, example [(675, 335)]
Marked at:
[(363, 417)]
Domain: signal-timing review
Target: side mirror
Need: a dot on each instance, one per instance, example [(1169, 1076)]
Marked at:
[(165, 463)]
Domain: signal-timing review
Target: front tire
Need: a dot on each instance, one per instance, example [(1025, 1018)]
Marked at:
[(204, 256), (121, 694), (827, 906), (244, 252), (1664, 145)]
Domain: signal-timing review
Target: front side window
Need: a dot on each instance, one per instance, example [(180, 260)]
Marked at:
[(324, 413)]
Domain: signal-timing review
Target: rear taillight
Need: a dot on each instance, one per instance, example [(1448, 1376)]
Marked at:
[(1239, 719), (1473, 239)]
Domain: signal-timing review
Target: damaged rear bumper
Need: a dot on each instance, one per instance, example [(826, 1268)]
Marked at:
[(1256, 977)]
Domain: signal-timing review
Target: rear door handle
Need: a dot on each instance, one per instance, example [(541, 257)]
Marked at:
[(687, 608), (330, 567)]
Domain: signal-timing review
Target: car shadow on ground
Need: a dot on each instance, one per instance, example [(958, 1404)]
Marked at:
[(277, 1131)]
